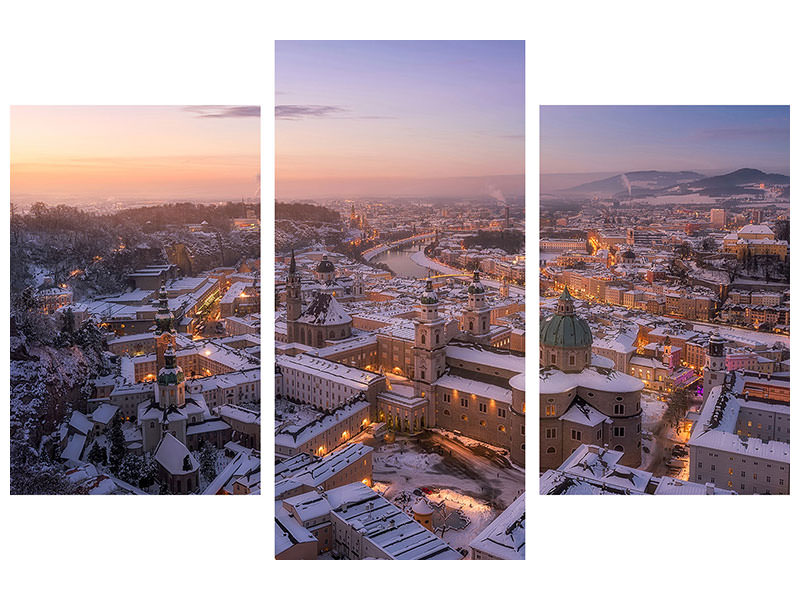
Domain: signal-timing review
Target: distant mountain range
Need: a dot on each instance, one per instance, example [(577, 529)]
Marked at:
[(639, 184), (636, 182)]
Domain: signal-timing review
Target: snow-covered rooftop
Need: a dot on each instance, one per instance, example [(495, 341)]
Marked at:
[(171, 454), (555, 381), (473, 386), (385, 526), (504, 537)]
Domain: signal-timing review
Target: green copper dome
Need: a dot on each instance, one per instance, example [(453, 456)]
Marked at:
[(565, 329)]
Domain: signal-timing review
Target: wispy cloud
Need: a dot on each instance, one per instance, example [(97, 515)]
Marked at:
[(319, 111), (224, 112), (744, 133), (305, 111)]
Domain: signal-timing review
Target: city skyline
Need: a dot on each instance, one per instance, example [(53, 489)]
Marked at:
[(399, 118), (664, 301), (84, 154), (618, 139)]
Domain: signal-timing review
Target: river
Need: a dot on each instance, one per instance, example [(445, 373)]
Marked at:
[(399, 261)]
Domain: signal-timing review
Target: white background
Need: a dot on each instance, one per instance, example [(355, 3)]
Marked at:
[(222, 53)]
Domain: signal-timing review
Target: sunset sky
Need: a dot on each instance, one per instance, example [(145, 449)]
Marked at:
[(399, 118), (85, 154), (582, 139)]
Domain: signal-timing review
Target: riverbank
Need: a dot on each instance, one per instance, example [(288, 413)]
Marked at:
[(420, 259), (423, 261)]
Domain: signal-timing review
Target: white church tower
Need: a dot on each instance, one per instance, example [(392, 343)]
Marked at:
[(714, 369)]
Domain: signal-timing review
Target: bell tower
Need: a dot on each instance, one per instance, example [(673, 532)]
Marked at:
[(429, 343), (165, 331), (294, 305), (476, 318), (171, 388), (714, 369)]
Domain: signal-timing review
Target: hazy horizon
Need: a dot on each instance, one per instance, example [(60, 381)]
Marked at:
[(82, 155)]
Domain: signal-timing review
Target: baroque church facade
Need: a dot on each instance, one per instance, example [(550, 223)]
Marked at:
[(456, 382)]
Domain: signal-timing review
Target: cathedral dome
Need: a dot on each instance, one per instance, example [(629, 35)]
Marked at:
[(565, 329), (325, 266)]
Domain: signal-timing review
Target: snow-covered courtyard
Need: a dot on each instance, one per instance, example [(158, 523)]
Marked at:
[(463, 480)]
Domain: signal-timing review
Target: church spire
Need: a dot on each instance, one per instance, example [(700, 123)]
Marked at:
[(164, 317)]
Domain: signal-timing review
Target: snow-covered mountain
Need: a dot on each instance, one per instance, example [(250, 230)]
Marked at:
[(635, 183), (640, 184), (736, 182)]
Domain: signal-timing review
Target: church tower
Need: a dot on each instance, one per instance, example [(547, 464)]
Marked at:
[(171, 383), (476, 318), (294, 304), (358, 284), (429, 343), (504, 288), (667, 356), (714, 369), (165, 331), (166, 414)]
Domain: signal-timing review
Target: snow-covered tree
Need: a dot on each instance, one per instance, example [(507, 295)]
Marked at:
[(97, 454), (149, 472), (130, 469), (32, 473), (208, 462), (118, 450)]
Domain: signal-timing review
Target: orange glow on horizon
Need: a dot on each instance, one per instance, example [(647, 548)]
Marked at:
[(89, 153)]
